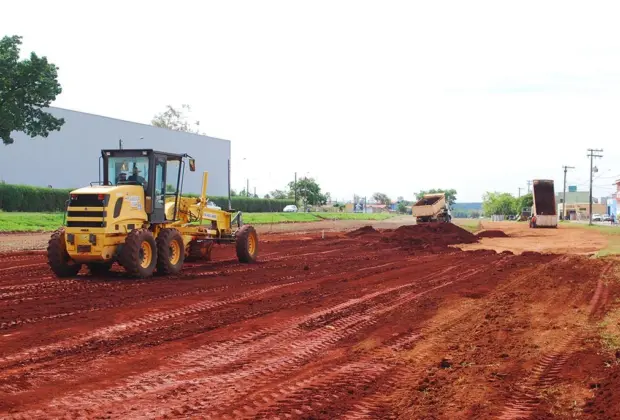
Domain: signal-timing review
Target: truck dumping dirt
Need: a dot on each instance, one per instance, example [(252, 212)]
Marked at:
[(351, 326)]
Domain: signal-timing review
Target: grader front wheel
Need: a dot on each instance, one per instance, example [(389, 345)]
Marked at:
[(58, 258), (139, 254), (170, 251), (247, 244)]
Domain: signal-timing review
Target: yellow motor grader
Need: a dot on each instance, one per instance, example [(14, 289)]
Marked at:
[(136, 216)]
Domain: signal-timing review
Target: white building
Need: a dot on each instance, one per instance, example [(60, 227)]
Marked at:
[(69, 158)]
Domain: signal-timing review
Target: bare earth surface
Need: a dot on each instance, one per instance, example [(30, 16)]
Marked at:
[(522, 238), (30, 241), (363, 325)]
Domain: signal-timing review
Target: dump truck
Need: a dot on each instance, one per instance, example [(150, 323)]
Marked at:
[(431, 208), (137, 217), (544, 210)]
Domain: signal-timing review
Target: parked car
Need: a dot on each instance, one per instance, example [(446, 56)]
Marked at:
[(597, 218), (291, 208), (607, 218)]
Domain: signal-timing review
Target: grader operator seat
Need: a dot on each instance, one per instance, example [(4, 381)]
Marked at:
[(158, 172)]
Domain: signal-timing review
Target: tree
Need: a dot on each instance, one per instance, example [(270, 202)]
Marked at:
[(525, 201), (25, 87), (381, 198), (400, 199), (402, 207), (267, 196), (494, 203), (450, 195), (279, 194), (175, 119), (233, 193), (308, 191)]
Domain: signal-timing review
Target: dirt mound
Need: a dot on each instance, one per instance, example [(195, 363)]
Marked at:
[(431, 235), (363, 231), (492, 234)]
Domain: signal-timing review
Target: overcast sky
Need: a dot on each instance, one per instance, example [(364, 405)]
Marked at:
[(364, 96)]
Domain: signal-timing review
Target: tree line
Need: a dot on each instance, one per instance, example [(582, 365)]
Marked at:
[(495, 203)]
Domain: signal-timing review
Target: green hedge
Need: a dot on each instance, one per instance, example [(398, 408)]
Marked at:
[(252, 205), (32, 199), (36, 199)]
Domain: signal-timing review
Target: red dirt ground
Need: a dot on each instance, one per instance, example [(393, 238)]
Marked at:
[(370, 324)]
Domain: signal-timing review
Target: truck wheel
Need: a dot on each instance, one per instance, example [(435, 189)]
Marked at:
[(58, 258), (170, 251), (99, 269), (247, 244), (139, 255)]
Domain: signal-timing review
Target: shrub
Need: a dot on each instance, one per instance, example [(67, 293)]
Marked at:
[(32, 199), (25, 198)]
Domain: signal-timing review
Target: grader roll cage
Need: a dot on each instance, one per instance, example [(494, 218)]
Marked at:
[(137, 216)]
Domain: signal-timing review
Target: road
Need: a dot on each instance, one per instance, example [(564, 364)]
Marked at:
[(362, 325)]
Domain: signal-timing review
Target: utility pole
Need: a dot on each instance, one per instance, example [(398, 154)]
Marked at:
[(295, 188), (247, 187), (520, 192), (254, 191), (529, 184), (566, 168), (591, 155)]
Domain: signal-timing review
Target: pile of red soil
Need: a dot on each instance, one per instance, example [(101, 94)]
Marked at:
[(363, 231), (423, 236), (430, 235), (491, 234)]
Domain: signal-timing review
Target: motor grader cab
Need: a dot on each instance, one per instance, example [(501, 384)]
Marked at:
[(136, 216)]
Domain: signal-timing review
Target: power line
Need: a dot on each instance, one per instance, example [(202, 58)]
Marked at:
[(591, 155)]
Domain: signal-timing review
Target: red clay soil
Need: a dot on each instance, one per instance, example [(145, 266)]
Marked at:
[(492, 233), (341, 327), (428, 235)]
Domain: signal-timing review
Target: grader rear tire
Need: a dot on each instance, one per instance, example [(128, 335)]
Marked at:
[(58, 258), (170, 251), (139, 254), (247, 244)]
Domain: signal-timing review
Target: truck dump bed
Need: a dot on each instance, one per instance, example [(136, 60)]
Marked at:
[(429, 207), (544, 206)]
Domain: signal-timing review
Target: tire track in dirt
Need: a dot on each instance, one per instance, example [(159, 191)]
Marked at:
[(292, 400), (527, 398), (229, 353), (21, 289), (432, 336), (125, 327), (297, 353)]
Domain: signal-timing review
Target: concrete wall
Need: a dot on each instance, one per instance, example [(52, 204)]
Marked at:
[(69, 158)]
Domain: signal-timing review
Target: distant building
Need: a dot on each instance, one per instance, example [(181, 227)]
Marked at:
[(581, 211), (376, 208), (69, 158), (574, 197)]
